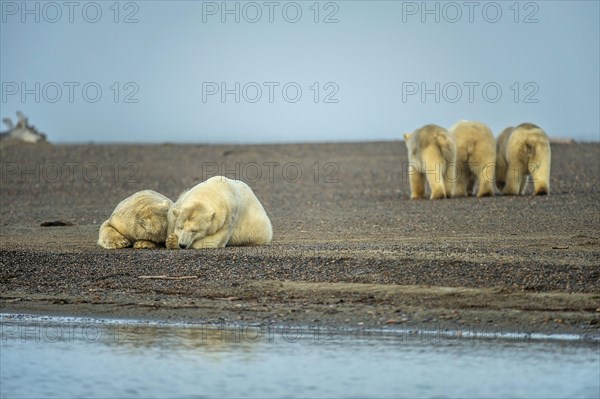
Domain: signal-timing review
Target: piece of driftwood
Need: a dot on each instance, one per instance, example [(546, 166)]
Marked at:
[(22, 131)]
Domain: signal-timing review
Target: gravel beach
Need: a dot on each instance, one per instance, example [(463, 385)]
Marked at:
[(350, 248)]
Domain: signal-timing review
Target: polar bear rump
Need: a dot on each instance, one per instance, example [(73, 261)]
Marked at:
[(430, 152), (522, 153), (475, 159)]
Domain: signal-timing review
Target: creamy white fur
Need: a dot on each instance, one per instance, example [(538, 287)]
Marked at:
[(430, 152), (522, 152), (140, 219), (475, 158)]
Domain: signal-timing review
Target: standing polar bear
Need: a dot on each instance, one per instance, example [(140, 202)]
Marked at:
[(475, 158), (521, 152), (216, 213), (430, 152), (140, 219)]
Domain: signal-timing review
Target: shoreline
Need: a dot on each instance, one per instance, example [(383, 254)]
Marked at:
[(425, 332), (338, 306)]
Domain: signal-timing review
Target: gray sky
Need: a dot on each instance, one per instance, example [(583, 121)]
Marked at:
[(187, 71)]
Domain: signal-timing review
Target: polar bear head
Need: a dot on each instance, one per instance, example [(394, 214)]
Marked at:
[(149, 222), (194, 223)]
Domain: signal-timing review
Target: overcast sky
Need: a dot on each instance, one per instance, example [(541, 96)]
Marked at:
[(277, 71)]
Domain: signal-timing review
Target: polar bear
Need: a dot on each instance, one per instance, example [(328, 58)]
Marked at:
[(521, 152), (216, 213), (140, 219), (430, 151), (475, 158)]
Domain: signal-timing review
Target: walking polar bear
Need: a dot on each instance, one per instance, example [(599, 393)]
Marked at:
[(140, 219), (430, 151), (216, 213), (521, 152), (475, 158)]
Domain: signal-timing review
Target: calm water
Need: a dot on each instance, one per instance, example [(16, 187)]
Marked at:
[(59, 357)]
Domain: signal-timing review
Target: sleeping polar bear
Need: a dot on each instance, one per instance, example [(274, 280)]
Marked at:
[(140, 219), (216, 213)]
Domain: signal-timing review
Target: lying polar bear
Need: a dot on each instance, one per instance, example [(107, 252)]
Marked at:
[(140, 219), (216, 213)]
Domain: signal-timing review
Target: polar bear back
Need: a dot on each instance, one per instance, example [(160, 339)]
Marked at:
[(140, 201), (253, 224)]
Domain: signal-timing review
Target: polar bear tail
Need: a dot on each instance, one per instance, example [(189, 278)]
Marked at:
[(447, 148)]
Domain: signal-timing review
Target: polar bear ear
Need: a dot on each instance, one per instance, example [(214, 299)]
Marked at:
[(407, 136), (176, 212), (145, 223), (163, 206), (210, 217)]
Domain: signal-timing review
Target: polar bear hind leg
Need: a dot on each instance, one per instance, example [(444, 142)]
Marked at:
[(539, 169), (461, 176), (501, 170), (541, 181), (417, 185), (449, 181), (110, 238), (487, 180), (484, 176), (516, 178), (434, 168)]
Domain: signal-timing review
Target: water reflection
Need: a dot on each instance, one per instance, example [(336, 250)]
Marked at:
[(53, 357)]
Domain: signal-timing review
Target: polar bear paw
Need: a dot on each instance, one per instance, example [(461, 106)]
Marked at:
[(144, 244), (172, 241), (117, 243)]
